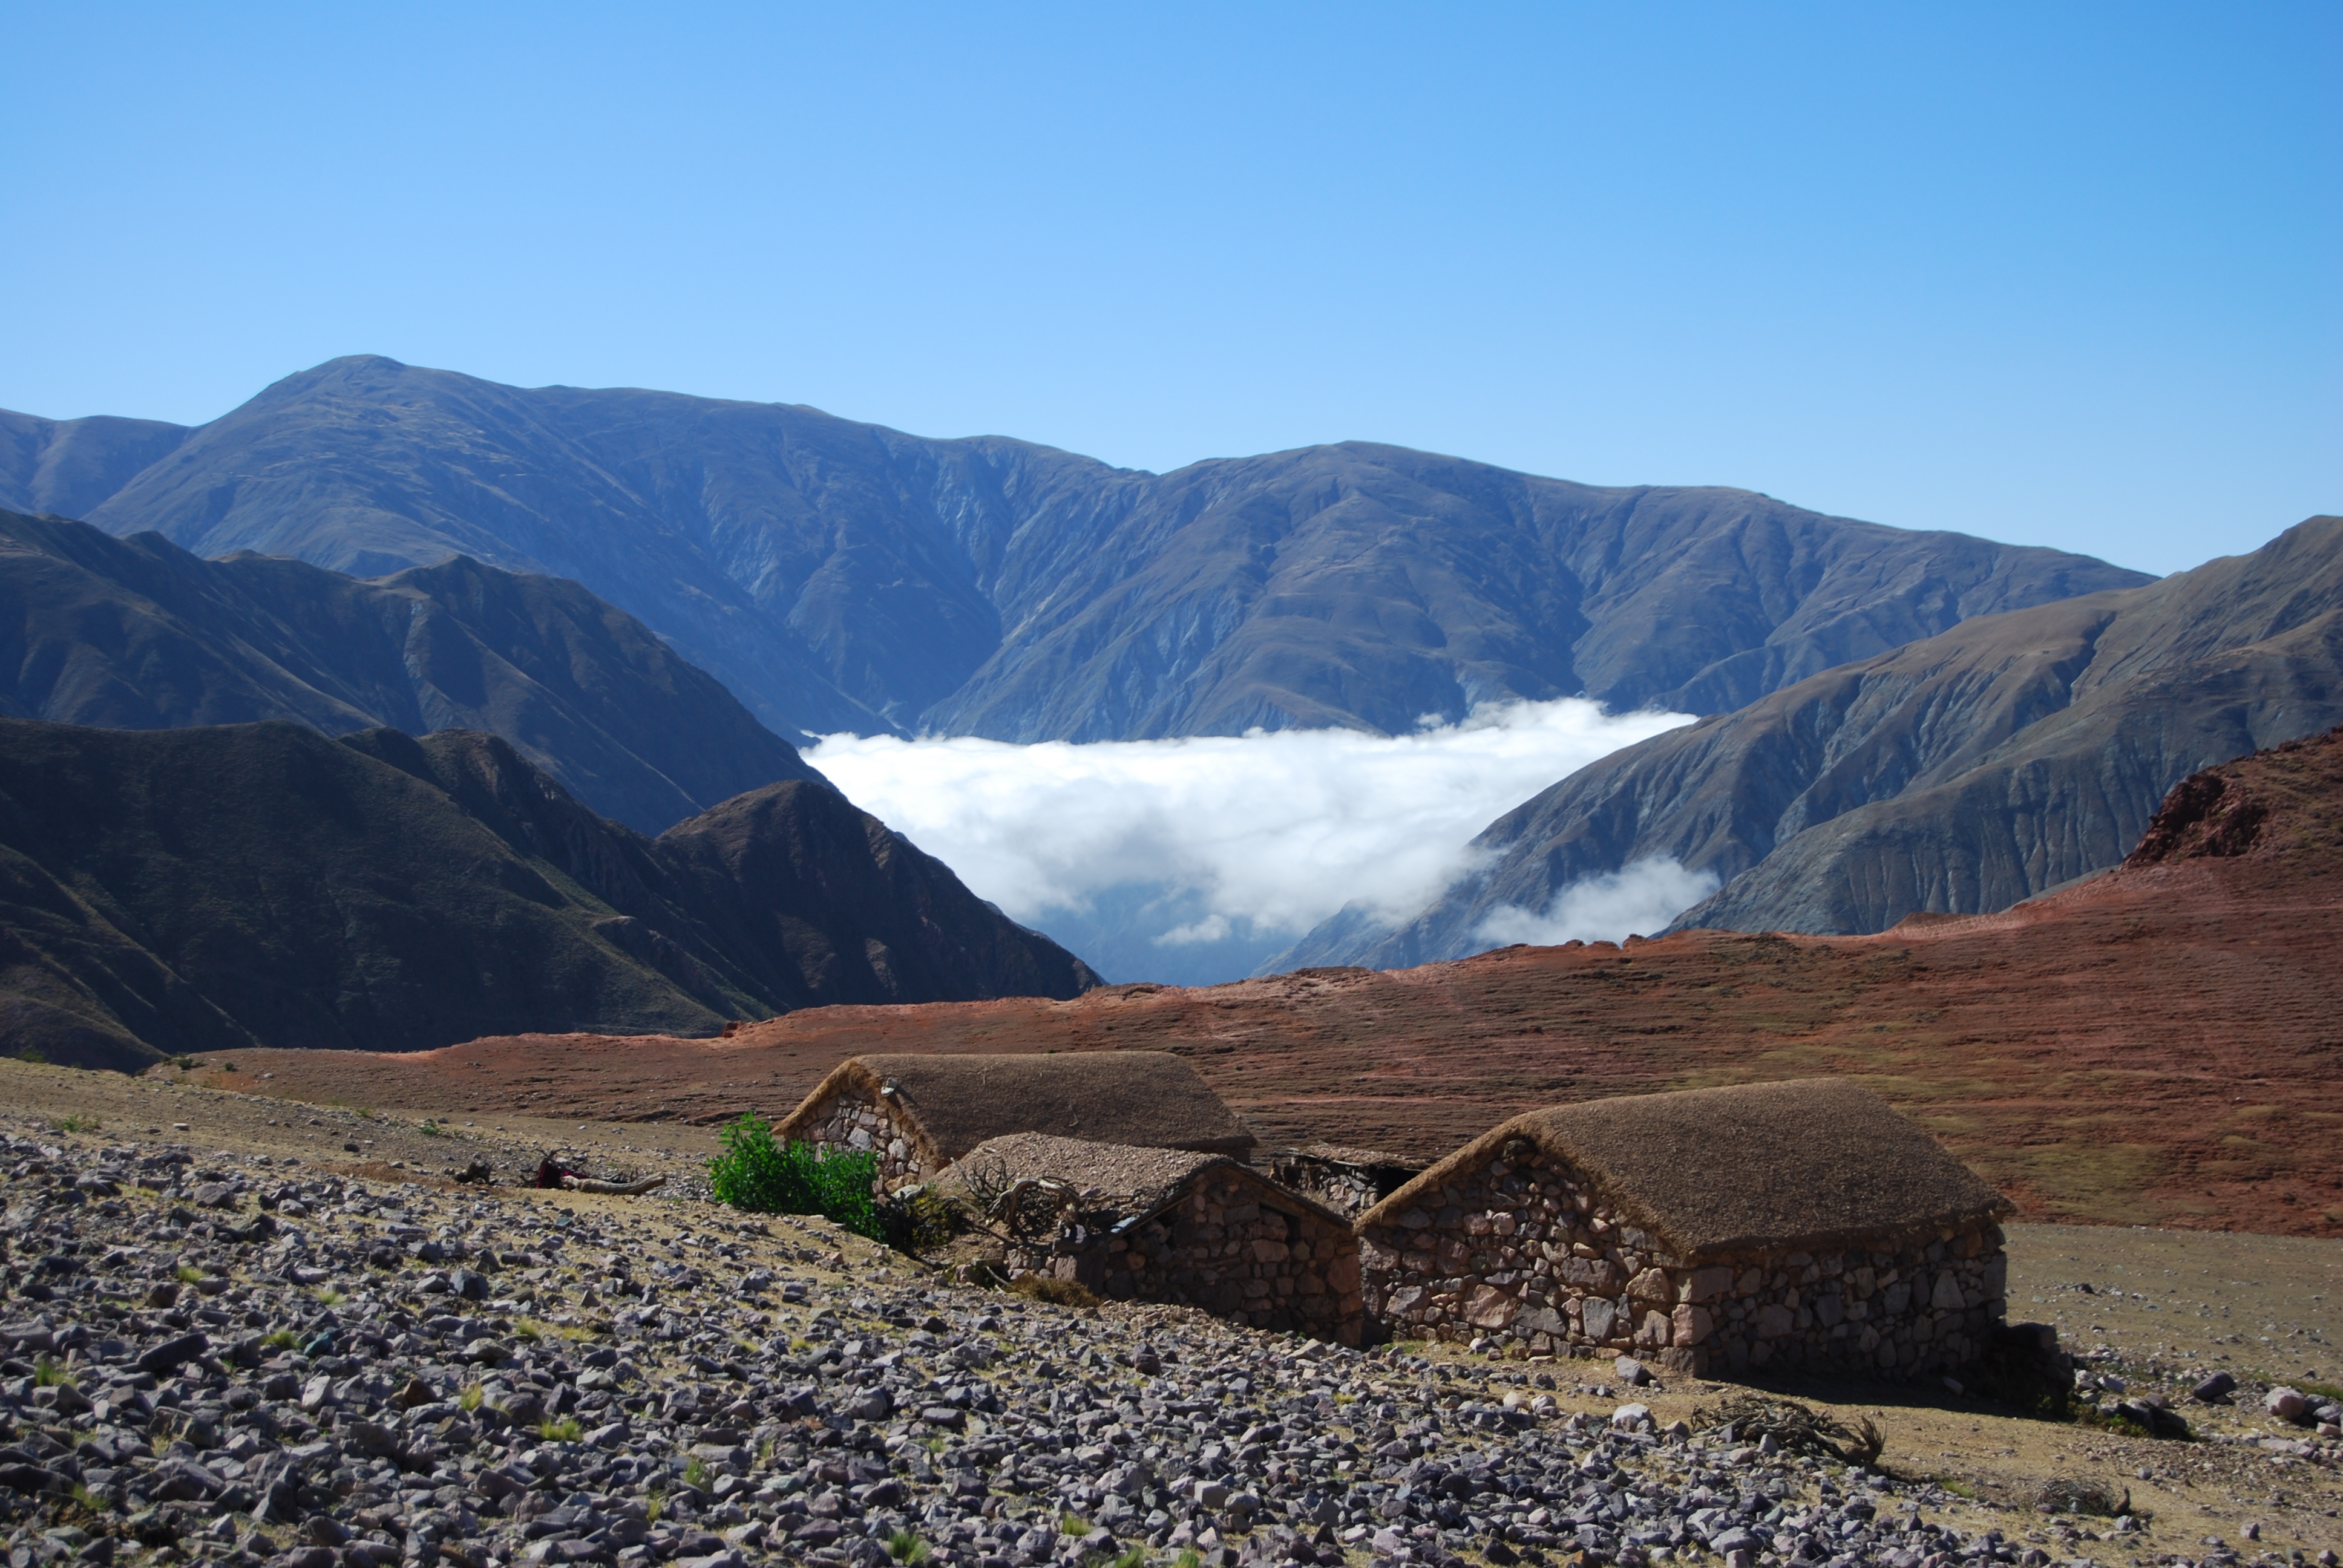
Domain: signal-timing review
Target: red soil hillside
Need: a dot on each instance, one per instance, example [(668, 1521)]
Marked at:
[(2162, 1044)]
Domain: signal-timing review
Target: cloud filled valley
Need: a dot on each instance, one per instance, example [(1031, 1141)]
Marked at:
[(1195, 860)]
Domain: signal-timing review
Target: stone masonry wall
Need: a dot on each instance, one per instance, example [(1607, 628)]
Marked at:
[(1529, 1256), (852, 1121), (1344, 1188), (1220, 1248)]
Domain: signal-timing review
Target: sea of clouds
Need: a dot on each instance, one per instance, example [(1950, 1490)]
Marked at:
[(1193, 860), (1640, 897)]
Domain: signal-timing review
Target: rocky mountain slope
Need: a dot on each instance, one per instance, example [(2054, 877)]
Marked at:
[(2153, 1046), (844, 575), (1957, 775), (187, 890), (138, 634)]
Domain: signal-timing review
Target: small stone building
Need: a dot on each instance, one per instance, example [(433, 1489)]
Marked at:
[(919, 1113), (1776, 1225), (1348, 1181), (1173, 1226)]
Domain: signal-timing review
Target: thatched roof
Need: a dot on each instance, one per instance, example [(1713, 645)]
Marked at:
[(1148, 1099), (1113, 1182), (1344, 1155), (1807, 1164)]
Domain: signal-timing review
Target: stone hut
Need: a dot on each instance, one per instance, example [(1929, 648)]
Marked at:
[(919, 1113), (1349, 1181), (1794, 1224), (1167, 1225)]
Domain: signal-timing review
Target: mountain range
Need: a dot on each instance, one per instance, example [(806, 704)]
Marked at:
[(842, 575), (138, 634), (228, 886), (1959, 774)]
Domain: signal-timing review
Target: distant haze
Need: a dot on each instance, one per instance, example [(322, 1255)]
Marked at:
[(1194, 859)]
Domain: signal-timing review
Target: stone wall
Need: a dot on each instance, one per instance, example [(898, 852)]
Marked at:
[(1224, 1245), (1342, 1185), (1527, 1255), (854, 1120)]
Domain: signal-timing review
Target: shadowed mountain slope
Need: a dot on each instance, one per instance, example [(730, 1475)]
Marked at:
[(185, 890), (138, 634), (844, 575), (1957, 775)]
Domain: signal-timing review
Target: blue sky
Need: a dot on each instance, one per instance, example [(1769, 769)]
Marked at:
[(2061, 274)]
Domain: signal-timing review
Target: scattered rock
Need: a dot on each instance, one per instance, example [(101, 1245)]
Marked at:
[(2215, 1390), (505, 1418)]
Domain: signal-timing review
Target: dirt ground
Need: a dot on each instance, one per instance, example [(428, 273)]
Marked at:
[(2161, 1307)]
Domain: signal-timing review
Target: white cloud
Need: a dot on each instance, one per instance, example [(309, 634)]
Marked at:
[(1264, 834), (1639, 898)]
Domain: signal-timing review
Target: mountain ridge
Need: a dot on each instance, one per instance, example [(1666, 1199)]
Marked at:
[(139, 634), (839, 576)]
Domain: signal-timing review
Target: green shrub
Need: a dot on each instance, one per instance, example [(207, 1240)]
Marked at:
[(762, 1177)]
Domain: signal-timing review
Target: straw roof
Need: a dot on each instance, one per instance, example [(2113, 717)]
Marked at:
[(1807, 1164), (950, 1104), (1343, 1154), (1113, 1180)]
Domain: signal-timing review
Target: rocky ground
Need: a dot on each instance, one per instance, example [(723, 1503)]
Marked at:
[(227, 1344)]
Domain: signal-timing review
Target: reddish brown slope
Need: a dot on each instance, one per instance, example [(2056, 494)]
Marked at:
[(2163, 1044)]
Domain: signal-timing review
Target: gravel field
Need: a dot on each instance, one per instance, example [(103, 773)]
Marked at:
[(229, 1343)]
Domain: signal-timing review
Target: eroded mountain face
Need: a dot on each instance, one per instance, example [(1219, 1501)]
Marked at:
[(1957, 775)]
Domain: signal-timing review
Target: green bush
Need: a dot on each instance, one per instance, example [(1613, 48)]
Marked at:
[(762, 1177)]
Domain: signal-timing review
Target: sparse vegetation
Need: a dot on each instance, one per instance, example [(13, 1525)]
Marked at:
[(329, 1297), (759, 1176), (905, 1547), (1797, 1427), (564, 1429), (1048, 1288), (74, 1124), (2090, 1497), (187, 1274), (695, 1474), (430, 1129), (48, 1374), (280, 1340), (467, 1398), (33, 1055), (919, 1220)]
